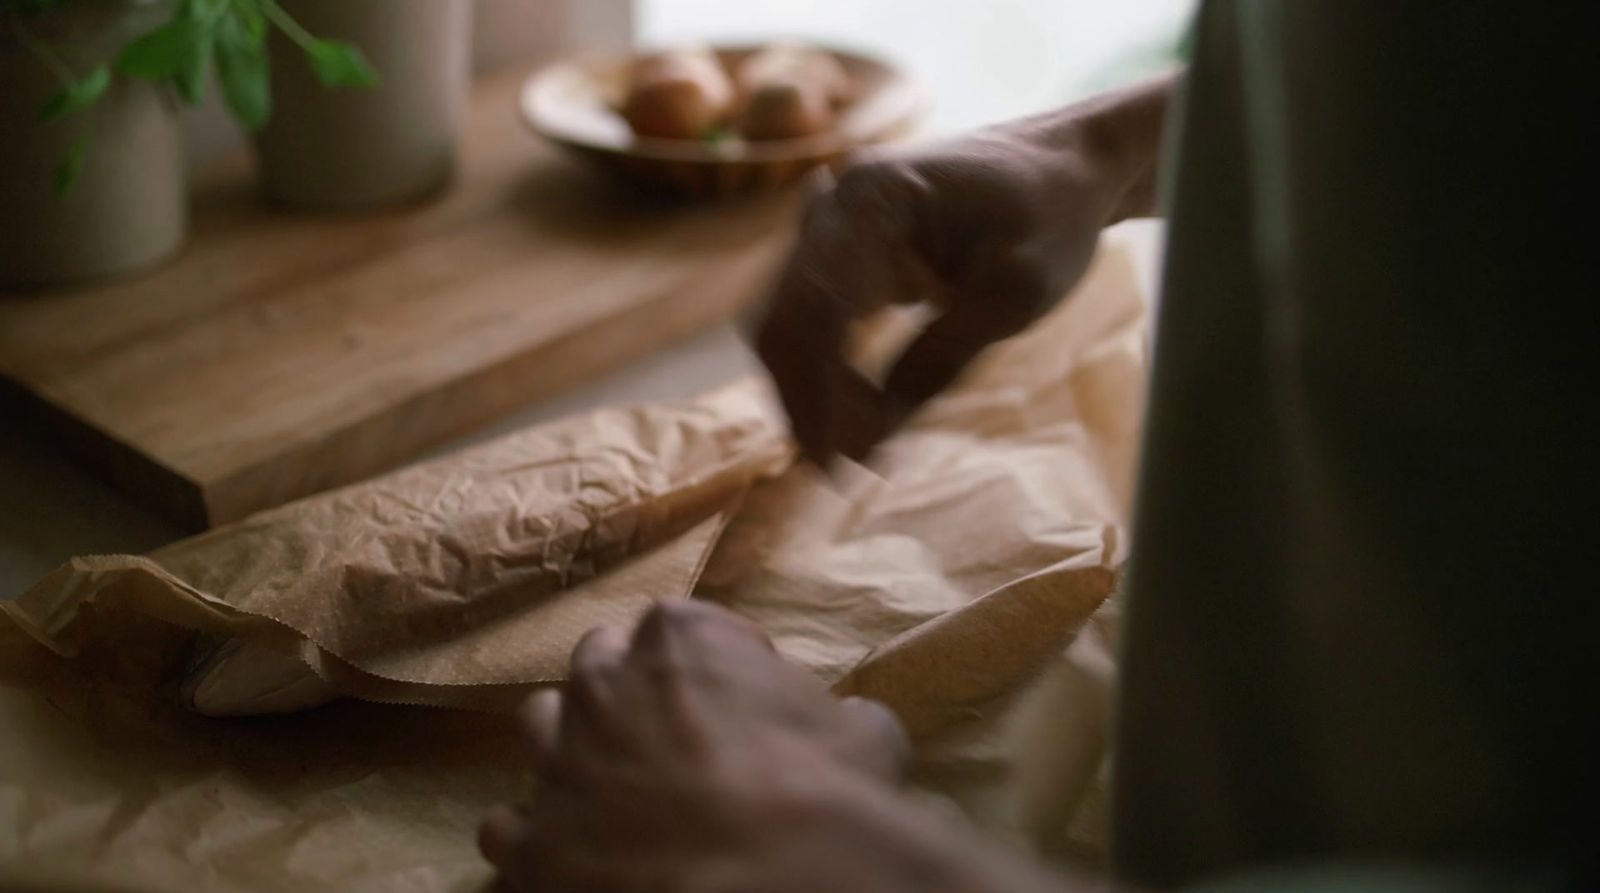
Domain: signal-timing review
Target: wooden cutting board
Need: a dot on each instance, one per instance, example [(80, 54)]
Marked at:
[(285, 353)]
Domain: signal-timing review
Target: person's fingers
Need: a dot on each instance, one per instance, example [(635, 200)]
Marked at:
[(697, 624), (929, 364), (595, 662), (502, 833), (539, 720), (886, 750), (936, 356), (847, 264), (861, 415), (992, 308), (600, 649), (832, 407), (801, 341)]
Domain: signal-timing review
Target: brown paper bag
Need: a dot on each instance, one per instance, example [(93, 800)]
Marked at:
[(962, 568), (942, 584), (459, 582)]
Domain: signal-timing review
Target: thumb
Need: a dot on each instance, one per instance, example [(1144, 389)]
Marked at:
[(879, 743)]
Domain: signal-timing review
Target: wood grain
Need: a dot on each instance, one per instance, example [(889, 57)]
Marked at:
[(283, 354)]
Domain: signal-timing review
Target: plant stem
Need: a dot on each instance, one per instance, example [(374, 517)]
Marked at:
[(41, 50), (217, 12), (286, 23)]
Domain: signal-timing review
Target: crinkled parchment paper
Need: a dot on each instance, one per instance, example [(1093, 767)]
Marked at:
[(462, 581), (979, 553)]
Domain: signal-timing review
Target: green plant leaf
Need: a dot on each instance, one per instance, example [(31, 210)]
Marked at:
[(253, 19), (159, 54), (71, 167), (242, 68), (178, 51), (340, 64), (201, 9), (196, 61), (77, 96)]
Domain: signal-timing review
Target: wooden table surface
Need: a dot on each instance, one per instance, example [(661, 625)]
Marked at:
[(284, 353)]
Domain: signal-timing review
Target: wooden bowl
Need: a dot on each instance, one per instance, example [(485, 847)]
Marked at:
[(574, 104)]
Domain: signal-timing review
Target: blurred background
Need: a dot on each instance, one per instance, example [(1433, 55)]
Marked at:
[(980, 62), (977, 63)]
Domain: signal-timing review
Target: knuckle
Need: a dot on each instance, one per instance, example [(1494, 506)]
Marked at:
[(679, 620), (656, 624), (872, 182), (859, 175), (663, 623), (600, 639), (673, 614)]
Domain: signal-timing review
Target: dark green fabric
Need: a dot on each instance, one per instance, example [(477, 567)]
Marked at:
[(1362, 594)]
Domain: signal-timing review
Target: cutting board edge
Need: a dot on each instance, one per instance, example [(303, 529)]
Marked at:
[(164, 490)]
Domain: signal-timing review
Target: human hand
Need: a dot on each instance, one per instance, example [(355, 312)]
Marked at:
[(683, 759), (990, 230)]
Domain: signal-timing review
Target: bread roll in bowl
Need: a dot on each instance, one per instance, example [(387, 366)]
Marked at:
[(681, 94), (786, 108), (790, 63)]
